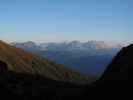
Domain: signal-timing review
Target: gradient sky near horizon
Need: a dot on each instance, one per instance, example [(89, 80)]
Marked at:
[(62, 20)]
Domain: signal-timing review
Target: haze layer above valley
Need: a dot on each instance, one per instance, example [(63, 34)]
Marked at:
[(90, 57)]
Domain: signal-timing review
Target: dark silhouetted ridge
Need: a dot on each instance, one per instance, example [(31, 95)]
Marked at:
[(116, 81), (121, 66)]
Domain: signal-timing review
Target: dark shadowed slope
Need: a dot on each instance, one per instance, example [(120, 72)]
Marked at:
[(116, 81), (121, 66), (119, 72), (27, 86), (21, 61)]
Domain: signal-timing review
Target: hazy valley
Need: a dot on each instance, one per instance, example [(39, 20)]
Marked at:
[(90, 57)]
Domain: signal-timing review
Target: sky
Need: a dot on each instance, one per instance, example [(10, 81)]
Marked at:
[(66, 20)]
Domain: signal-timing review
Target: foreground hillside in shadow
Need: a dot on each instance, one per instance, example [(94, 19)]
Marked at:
[(27, 86)]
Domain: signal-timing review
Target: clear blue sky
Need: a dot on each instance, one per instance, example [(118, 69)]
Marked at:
[(60, 20)]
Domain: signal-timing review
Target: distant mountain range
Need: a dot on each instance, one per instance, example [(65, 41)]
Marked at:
[(90, 57), (68, 46), (20, 61)]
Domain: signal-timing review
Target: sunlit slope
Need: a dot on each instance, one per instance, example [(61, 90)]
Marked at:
[(21, 61)]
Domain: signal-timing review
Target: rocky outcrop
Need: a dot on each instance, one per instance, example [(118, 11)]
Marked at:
[(3, 67)]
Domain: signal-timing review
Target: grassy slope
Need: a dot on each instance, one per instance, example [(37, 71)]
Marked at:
[(21, 61)]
